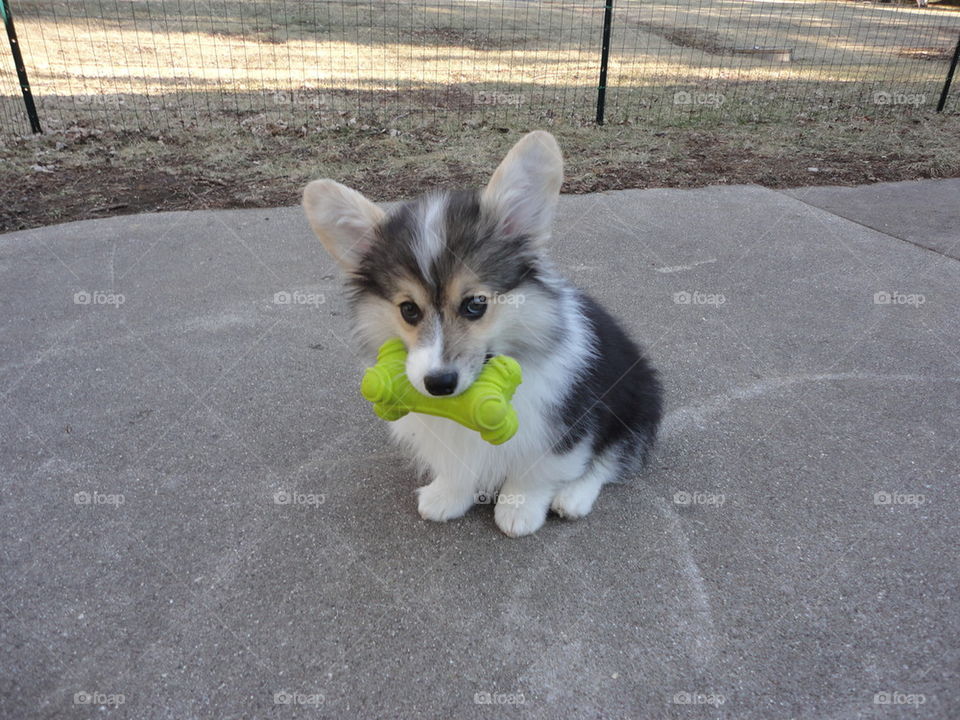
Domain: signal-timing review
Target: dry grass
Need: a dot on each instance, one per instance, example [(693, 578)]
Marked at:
[(240, 103), (155, 63), (84, 173)]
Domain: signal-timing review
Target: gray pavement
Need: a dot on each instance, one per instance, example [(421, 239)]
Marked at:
[(790, 553), (922, 212)]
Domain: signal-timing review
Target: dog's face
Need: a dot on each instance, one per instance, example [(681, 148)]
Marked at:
[(455, 275)]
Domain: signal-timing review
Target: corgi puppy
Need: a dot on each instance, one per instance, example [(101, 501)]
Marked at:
[(463, 276)]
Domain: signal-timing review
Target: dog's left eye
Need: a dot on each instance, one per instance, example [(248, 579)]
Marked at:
[(473, 308), (410, 312)]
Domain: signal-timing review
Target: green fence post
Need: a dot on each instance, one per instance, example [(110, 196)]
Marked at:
[(604, 57), (21, 69), (949, 80)]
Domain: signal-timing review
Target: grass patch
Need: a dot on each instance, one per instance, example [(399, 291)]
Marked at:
[(87, 173), (237, 104)]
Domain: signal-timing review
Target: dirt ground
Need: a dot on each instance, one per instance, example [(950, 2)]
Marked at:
[(249, 101), (83, 173)]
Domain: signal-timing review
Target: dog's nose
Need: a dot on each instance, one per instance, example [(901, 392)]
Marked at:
[(443, 383)]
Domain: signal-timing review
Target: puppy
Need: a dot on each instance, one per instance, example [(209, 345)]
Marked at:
[(464, 276)]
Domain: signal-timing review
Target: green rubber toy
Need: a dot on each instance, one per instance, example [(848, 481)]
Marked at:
[(484, 406)]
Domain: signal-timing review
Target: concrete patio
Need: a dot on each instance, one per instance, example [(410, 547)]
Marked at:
[(203, 519)]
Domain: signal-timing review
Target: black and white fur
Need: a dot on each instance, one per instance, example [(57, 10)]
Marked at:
[(589, 404)]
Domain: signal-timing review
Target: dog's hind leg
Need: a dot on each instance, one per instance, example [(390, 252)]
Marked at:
[(576, 499)]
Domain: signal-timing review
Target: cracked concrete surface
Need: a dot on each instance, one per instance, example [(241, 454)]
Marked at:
[(203, 518)]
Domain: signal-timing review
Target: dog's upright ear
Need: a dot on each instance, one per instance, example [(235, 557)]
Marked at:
[(523, 191), (343, 219)]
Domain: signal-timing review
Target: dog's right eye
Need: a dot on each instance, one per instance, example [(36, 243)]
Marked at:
[(410, 312)]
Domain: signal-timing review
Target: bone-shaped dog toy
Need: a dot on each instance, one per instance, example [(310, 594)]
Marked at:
[(484, 406)]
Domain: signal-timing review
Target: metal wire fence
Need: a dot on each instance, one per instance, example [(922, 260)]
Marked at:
[(160, 64)]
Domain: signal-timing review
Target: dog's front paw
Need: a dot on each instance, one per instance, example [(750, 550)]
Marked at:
[(519, 519), (440, 501)]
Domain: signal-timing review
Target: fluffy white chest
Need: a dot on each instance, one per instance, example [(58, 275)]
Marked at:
[(445, 448)]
